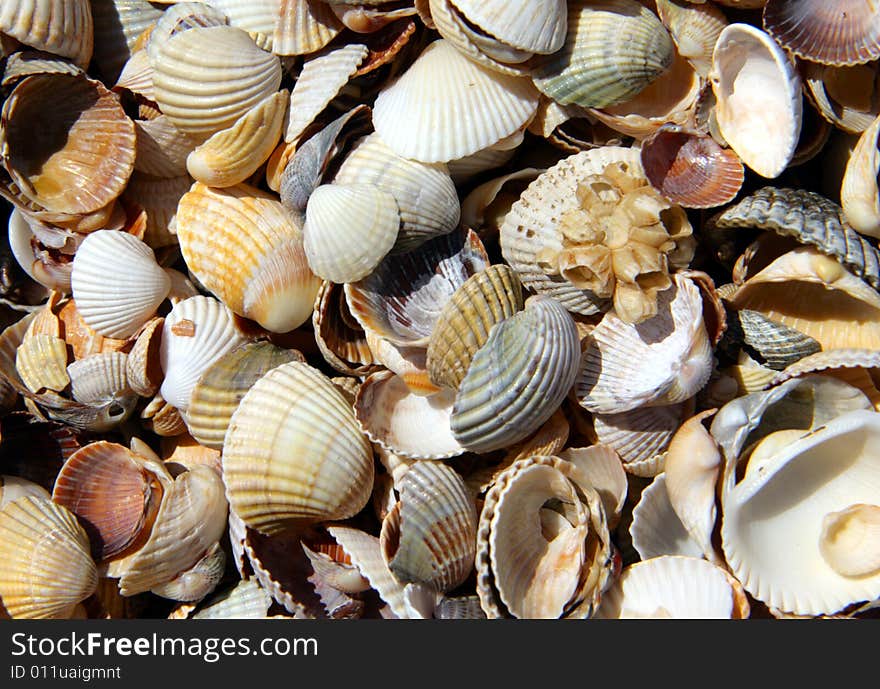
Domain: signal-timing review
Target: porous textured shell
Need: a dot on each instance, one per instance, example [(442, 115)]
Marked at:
[(445, 106), (518, 378), (116, 283), (294, 451), (593, 70), (46, 566)]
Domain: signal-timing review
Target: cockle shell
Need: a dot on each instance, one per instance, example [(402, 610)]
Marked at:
[(246, 600), (118, 25), (304, 26), (529, 25), (249, 229), (61, 27), (198, 581), (116, 283), (41, 362), (142, 367), (860, 189), (340, 338), (159, 198), (45, 565), (101, 379), (196, 333), (694, 28), (162, 149), (518, 378), (294, 452), (759, 103), (257, 17), (776, 345)]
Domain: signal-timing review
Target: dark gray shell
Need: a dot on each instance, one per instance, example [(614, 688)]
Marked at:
[(778, 345)]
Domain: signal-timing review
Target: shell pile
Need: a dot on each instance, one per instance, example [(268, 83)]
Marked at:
[(440, 309)]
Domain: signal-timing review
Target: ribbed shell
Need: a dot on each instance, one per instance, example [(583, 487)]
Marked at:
[(613, 50), (535, 26), (484, 300), (196, 333), (811, 219), (113, 493), (445, 107), (340, 338), (257, 17), (142, 367), (116, 283), (778, 345), (205, 78), (656, 529), (860, 189), (41, 363), (294, 452), (99, 378), (247, 600), (638, 436), (162, 149), (159, 198), (198, 581), (694, 28), (45, 565), (242, 245), (221, 387), (518, 378), (118, 25), (304, 27), (85, 154), (61, 27)]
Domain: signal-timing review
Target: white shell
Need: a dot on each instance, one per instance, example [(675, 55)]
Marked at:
[(860, 189), (656, 529)]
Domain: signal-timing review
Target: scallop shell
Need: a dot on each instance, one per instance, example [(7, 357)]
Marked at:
[(349, 229), (46, 567), (592, 70), (534, 26), (666, 359), (205, 78), (85, 155), (114, 493), (61, 27), (232, 155), (759, 103), (304, 26), (41, 362), (846, 34), (100, 379), (219, 390), (116, 283), (484, 300), (294, 451), (247, 228), (860, 189), (402, 298), (695, 30), (196, 333), (518, 378), (445, 107), (641, 435)]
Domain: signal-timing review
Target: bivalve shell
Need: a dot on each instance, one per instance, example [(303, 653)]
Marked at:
[(860, 189), (61, 27)]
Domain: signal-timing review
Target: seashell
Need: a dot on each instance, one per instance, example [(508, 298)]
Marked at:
[(777, 345), (46, 567), (118, 25), (431, 537), (798, 530), (407, 424), (691, 169), (13, 488), (61, 27), (498, 404), (599, 466), (591, 72), (339, 337), (853, 366), (114, 493), (529, 25), (137, 76), (340, 575), (459, 608), (672, 347), (821, 299), (407, 362), (201, 87), (445, 107), (484, 208), (847, 34), (116, 283), (348, 230), (759, 103), (860, 189), (695, 30), (484, 300), (315, 465), (176, 20), (232, 155), (246, 600), (159, 198), (425, 195), (162, 149), (86, 154), (402, 298), (258, 18), (25, 63), (673, 587), (847, 97), (811, 219), (41, 362), (849, 541), (142, 368), (533, 562), (101, 379), (162, 418), (463, 169), (198, 581), (304, 26), (196, 333), (191, 519), (319, 82), (219, 390), (245, 227)]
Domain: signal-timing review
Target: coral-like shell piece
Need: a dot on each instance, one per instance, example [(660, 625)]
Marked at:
[(846, 34), (294, 451), (860, 189), (221, 387), (45, 565), (61, 27), (86, 151), (114, 493), (196, 333), (671, 587), (232, 155), (484, 300), (445, 107), (666, 359), (594, 70), (245, 227), (759, 103), (348, 230), (116, 283), (518, 378), (205, 78)]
